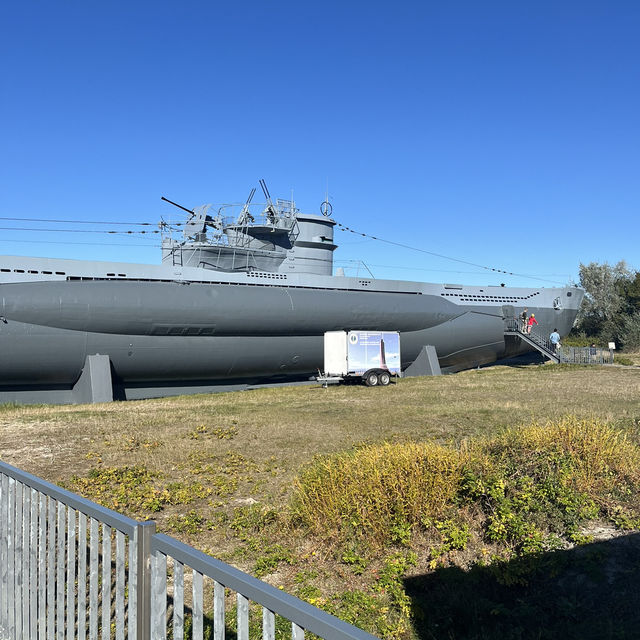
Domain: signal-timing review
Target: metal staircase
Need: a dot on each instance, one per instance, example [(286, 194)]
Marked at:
[(568, 355), (542, 344)]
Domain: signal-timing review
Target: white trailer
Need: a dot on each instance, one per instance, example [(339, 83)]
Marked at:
[(372, 357)]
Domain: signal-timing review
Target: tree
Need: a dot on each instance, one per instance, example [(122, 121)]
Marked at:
[(629, 289), (630, 334), (605, 302)]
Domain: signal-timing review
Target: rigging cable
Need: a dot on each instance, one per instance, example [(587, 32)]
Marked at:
[(352, 264), (440, 255), (144, 224), (113, 222), (76, 230), (168, 226), (87, 244)]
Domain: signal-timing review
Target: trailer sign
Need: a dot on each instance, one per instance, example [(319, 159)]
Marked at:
[(373, 350), (354, 353)]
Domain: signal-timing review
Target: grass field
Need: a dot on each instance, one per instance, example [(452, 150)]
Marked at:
[(218, 471)]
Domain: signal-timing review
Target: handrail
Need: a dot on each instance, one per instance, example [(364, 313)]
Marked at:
[(67, 563), (301, 613), (566, 355), (513, 325), (93, 510)]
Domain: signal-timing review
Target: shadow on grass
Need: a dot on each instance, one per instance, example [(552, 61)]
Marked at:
[(521, 361), (588, 592)]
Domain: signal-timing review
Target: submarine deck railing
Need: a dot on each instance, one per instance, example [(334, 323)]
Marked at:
[(70, 568), (561, 354)]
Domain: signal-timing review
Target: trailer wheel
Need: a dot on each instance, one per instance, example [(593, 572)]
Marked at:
[(384, 378), (371, 379)]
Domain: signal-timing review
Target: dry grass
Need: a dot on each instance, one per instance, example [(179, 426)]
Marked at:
[(280, 429), (634, 356), (219, 467), (273, 432)]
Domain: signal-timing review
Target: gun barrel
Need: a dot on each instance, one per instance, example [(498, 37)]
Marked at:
[(175, 204)]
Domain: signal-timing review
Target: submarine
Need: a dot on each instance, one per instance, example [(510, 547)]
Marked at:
[(240, 297)]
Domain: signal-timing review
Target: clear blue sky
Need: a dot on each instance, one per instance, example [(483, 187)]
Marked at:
[(501, 133)]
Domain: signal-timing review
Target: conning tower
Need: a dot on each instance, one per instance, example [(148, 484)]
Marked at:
[(280, 239), (313, 247)]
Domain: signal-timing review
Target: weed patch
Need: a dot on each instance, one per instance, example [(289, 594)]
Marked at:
[(136, 490), (191, 522), (132, 490), (252, 519), (182, 493), (270, 558), (221, 433)]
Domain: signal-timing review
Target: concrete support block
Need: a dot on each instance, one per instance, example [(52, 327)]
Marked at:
[(94, 384), (426, 364)]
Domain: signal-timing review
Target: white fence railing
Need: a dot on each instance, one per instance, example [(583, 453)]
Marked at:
[(70, 568)]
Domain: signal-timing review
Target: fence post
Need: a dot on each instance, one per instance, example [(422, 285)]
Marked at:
[(144, 532)]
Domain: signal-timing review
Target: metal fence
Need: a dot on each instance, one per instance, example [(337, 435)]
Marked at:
[(585, 355), (70, 568)]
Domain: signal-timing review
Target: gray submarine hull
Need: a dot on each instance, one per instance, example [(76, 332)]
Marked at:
[(174, 333)]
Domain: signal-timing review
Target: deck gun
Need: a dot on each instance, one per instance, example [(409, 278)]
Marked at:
[(197, 222), (270, 210), (245, 215)]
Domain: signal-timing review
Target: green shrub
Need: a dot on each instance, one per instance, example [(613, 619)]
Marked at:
[(502, 501), (577, 340), (380, 492), (554, 477), (535, 486), (590, 455)]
